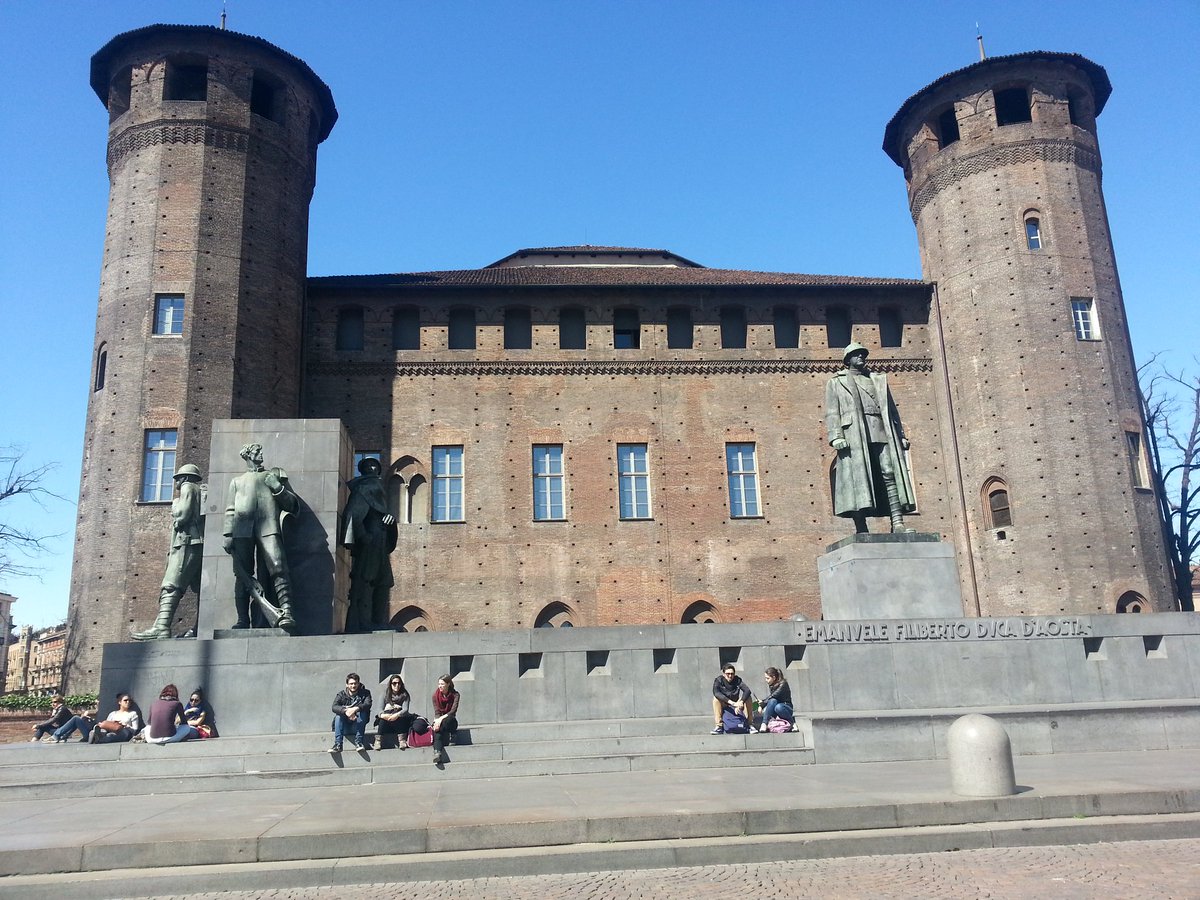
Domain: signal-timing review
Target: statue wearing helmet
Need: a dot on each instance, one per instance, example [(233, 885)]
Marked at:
[(185, 555), (870, 476)]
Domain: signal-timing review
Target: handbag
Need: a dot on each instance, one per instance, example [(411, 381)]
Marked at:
[(779, 726), (420, 735), (205, 730), (109, 725)]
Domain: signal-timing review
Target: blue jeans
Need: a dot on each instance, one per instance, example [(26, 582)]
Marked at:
[(81, 723), (360, 728), (775, 708)]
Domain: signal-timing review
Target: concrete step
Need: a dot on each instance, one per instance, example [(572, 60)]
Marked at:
[(155, 769), (365, 864)]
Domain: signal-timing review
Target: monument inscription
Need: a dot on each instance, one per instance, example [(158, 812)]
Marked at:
[(1012, 628)]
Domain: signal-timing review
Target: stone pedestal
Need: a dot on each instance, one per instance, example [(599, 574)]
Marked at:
[(889, 576), (315, 453)]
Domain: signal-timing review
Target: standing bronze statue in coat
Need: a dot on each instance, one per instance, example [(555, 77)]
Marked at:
[(870, 477), (370, 533)]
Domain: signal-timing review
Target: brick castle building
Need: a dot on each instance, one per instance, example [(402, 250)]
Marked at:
[(601, 435)]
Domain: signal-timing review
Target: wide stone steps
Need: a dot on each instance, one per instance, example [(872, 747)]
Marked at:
[(249, 763)]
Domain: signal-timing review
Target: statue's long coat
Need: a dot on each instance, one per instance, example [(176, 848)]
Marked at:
[(857, 488)]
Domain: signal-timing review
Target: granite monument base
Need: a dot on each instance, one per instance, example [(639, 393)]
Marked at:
[(316, 454), (889, 576)]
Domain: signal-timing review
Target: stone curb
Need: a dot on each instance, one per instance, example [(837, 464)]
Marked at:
[(594, 857)]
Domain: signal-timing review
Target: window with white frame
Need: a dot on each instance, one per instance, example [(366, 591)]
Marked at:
[(1033, 233), (1137, 459), (548, 503), (741, 462), (447, 484), (168, 313), (158, 465), (633, 481), (1083, 314)]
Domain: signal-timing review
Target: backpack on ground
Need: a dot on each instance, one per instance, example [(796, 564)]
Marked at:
[(734, 723)]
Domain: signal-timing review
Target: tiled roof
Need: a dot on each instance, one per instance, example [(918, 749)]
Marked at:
[(592, 250), (602, 276), (1099, 78)]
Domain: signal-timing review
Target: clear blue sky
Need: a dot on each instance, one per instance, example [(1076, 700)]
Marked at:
[(738, 134)]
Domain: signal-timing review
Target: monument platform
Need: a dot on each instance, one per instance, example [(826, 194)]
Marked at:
[(909, 575), (363, 823)]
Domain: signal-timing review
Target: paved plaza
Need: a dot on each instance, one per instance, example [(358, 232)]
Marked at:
[(1137, 870)]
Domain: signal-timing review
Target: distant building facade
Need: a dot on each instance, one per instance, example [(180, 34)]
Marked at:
[(35, 660), (6, 634), (613, 435)]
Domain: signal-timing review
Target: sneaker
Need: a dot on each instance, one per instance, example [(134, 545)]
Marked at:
[(754, 730), (58, 740), (720, 729), (360, 746), (336, 748), (35, 740)]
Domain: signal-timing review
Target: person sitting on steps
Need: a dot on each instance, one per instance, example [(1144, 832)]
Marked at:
[(351, 709), (731, 693)]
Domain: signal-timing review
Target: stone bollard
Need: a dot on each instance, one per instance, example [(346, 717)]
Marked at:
[(980, 758)]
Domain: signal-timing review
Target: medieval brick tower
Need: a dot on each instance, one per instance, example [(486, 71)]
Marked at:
[(212, 148), (1004, 183)]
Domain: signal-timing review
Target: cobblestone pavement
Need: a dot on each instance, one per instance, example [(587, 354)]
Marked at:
[(1133, 869)]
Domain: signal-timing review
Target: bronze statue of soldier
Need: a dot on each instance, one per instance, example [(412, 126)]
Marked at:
[(370, 533), (185, 555), (870, 475)]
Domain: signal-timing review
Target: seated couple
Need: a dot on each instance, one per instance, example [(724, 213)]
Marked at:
[(733, 702)]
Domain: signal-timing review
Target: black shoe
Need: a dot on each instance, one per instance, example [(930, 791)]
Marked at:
[(360, 746), (336, 748)]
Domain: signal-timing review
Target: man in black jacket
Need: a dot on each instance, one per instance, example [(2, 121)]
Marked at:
[(730, 692), (351, 708)]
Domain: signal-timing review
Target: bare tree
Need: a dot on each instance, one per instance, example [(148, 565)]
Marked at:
[(1171, 405), (20, 545)]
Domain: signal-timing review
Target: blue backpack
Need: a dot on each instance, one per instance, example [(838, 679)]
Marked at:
[(734, 723)]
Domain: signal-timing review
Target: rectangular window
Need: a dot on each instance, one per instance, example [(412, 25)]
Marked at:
[(633, 481), (1137, 459), (548, 483), (626, 329), (1083, 314), (742, 464), (158, 466), (168, 313), (448, 484)]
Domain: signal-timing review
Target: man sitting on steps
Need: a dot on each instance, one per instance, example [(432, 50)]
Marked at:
[(730, 692)]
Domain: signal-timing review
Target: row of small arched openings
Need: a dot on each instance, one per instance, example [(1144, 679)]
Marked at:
[(557, 614)]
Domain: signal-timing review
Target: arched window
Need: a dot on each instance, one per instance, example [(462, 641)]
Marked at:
[(101, 366), (787, 327), (518, 328), (1132, 602), (406, 328), (997, 510), (1033, 230), (350, 328), (679, 328), (699, 613), (572, 329), (555, 615), (733, 327), (462, 328), (408, 491), (412, 619)]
